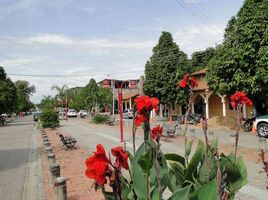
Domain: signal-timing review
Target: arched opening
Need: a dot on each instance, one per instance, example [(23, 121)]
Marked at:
[(199, 105)]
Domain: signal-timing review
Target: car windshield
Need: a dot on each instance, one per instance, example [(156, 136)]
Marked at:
[(72, 110)]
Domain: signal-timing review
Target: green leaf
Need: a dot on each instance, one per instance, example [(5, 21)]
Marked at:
[(214, 143), (188, 149), (191, 169), (146, 161), (175, 157), (139, 177), (181, 194), (208, 173), (108, 195), (206, 192)]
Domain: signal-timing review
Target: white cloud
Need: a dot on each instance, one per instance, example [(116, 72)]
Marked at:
[(49, 39), (195, 38)]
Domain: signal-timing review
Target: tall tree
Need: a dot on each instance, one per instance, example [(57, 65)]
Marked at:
[(48, 102), (200, 59), (165, 67), (241, 62), (8, 93), (88, 95), (24, 91), (61, 93)]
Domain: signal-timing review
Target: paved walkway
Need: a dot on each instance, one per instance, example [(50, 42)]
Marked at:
[(89, 135), (19, 175)]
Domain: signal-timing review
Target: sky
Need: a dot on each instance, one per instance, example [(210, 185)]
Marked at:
[(84, 39)]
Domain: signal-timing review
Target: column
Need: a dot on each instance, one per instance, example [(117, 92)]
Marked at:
[(192, 110), (207, 107), (223, 106), (161, 110), (244, 111), (130, 103)]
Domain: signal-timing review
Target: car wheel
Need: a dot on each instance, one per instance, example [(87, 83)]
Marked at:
[(262, 130)]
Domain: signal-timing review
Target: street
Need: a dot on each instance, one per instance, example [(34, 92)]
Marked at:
[(89, 135), (21, 176), (18, 161)]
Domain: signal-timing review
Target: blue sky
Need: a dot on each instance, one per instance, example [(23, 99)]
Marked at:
[(101, 37)]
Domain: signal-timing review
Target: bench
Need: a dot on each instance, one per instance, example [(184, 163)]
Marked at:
[(67, 141), (170, 129), (112, 121)]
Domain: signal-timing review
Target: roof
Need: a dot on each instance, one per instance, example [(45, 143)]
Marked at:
[(202, 85), (129, 95), (201, 71)]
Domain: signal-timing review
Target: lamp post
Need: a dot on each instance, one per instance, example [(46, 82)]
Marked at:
[(120, 87)]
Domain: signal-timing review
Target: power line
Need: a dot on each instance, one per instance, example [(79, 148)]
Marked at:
[(204, 13), (197, 13), (71, 75)]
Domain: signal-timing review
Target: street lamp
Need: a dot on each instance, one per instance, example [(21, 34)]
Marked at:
[(120, 87)]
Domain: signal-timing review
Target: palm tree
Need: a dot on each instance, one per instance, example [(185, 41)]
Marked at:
[(47, 102), (62, 92)]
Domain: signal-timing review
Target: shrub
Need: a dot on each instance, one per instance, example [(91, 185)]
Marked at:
[(49, 118), (98, 118)]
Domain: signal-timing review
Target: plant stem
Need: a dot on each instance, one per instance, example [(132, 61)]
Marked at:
[(238, 124), (133, 136), (187, 112), (147, 186)]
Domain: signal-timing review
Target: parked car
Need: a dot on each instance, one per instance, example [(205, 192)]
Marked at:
[(261, 125), (36, 116), (72, 113), (128, 113), (82, 113)]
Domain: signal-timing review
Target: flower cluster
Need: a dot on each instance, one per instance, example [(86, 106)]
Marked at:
[(156, 131), (144, 104), (99, 166), (187, 80), (240, 98)]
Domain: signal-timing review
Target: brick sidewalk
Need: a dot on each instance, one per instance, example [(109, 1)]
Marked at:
[(72, 166)]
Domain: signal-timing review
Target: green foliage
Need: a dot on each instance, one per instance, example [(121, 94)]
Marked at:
[(8, 93), (24, 91), (98, 118), (163, 71), (48, 102), (49, 118), (93, 95), (240, 63), (61, 94), (200, 59)]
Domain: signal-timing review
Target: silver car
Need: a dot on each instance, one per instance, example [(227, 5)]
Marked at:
[(128, 113), (72, 113)]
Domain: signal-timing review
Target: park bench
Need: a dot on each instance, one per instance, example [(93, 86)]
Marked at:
[(169, 129), (67, 141), (112, 121)]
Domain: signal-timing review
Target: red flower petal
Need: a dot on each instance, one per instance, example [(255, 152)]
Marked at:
[(139, 120), (121, 157)]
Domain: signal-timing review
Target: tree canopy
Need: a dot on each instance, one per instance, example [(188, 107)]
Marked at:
[(200, 59), (8, 93), (241, 62), (24, 91), (165, 68)]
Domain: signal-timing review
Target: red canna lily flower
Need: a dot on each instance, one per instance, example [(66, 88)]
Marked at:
[(240, 98), (97, 165), (188, 81), (156, 131), (183, 83), (121, 157), (141, 102), (193, 82), (139, 119), (146, 102)]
